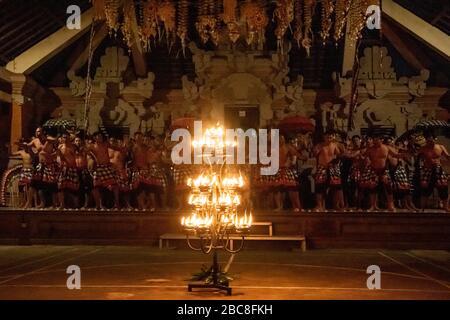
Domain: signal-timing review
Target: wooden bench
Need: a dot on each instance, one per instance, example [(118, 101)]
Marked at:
[(177, 236)]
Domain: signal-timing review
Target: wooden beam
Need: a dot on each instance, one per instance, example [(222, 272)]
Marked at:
[(99, 35), (46, 49), (406, 50), (5, 74), (6, 97), (419, 27)]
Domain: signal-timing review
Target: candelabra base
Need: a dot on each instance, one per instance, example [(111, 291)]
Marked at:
[(220, 287)]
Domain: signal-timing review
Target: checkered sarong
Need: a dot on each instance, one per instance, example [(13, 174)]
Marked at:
[(123, 180), (433, 177), (50, 173), (285, 178), (68, 179), (355, 174), (85, 179), (104, 176), (330, 175), (26, 175), (371, 178), (400, 179), (181, 175), (147, 177)]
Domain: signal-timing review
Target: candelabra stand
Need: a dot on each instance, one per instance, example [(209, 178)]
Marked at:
[(215, 220)]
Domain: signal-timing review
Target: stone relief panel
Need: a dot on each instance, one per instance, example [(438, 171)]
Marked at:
[(383, 100), (113, 102), (234, 77)]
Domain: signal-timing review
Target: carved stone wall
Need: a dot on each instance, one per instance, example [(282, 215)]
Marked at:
[(113, 102), (383, 99), (227, 78)]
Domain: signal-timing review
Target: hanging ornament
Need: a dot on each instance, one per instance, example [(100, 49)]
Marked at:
[(112, 15), (99, 9), (327, 9), (149, 28), (183, 23), (298, 22), (229, 17), (357, 18), (341, 10), (254, 14), (127, 25), (166, 14), (284, 14), (206, 22), (308, 11)]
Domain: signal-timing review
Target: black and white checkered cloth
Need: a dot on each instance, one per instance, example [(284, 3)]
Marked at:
[(104, 176), (68, 179)]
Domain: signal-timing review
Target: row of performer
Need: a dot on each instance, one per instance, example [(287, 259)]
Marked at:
[(367, 173)]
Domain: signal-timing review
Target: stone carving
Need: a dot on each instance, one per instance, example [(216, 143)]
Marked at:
[(125, 107), (382, 112), (376, 77), (234, 77), (378, 87), (334, 116)]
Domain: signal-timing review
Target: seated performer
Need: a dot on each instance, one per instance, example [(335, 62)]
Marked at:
[(432, 175), (26, 173), (376, 174), (103, 174), (84, 175), (68, 179), (328, 175)]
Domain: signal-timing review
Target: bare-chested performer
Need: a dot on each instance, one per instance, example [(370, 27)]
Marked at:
[(432, 174), (45, 177), (118, 157), (354, 194), (68, 179), (84, 175), (400, 178), (286, 178), (103, 174), (36, 145), (328, 175), (377, 173), (142, 180), (26, 173)]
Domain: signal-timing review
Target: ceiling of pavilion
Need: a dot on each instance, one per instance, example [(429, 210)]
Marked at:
[(23, 23)]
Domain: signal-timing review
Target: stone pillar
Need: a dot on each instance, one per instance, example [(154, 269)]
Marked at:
[(17, 102)]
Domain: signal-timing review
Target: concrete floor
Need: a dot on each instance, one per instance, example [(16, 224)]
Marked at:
[(113, 272)]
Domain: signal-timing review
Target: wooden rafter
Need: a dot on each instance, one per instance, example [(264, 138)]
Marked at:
[(49, 47)]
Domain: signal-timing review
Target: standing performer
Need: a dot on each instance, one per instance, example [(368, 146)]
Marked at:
[(377, 173), (84, 176), (103, 173), (286, 177), (328, 175), (400, 178), (118, 158), (432, 174), (26, 173), (45, 177), (141, 179), (68, 180), (354, 194)]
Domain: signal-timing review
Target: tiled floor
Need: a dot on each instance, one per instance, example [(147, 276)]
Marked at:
[(113, 272)]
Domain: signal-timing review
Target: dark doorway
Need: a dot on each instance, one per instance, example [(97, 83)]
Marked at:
[(241, 116)]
